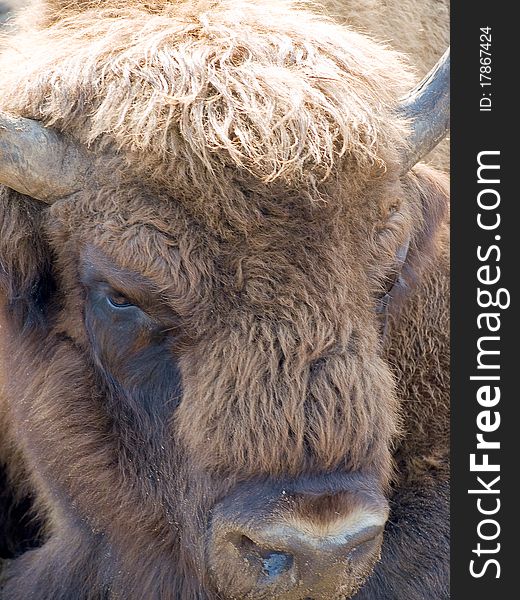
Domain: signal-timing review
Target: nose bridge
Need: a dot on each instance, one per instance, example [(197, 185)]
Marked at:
[(335, 518), (253, 414)]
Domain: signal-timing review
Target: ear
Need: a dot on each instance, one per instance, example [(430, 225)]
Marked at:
[(25, 265), (431, 187), (428, 190)]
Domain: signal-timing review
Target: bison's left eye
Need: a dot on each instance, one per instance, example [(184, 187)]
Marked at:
[(116, 300)]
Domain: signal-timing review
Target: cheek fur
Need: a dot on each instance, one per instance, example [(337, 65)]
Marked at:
[(137, 362)]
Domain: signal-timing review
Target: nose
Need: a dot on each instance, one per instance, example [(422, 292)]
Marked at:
[(296, 555), (289, 562)]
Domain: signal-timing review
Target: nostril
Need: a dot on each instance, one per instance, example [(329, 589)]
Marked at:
[(277, 563), (273, 563), (246, 543)]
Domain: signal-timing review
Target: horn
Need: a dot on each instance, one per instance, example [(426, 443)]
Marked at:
[(427, 107), (40, 162)]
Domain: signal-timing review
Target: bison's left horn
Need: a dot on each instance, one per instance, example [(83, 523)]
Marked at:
[(39, 162), (428, 109)]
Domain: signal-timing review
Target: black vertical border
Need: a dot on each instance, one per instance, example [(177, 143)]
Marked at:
[(473, 131)]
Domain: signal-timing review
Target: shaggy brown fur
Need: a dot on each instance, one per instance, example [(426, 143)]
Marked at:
[(418, 28), (256, 222)]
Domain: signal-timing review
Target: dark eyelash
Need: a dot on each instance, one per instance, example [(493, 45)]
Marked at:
[(119, 301)]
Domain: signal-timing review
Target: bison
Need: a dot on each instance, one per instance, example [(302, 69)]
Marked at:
[(224, 307)]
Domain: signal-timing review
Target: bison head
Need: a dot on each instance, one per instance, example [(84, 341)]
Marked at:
[(197, 247)]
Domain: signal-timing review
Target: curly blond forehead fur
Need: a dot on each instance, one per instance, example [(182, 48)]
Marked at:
[(190, 89)]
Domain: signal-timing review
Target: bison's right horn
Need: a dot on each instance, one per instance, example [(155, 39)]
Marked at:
[(40, 162), (428, 109)]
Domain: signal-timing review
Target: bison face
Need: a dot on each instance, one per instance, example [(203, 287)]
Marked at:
[(232, 365), (193, 326), (211, 412)]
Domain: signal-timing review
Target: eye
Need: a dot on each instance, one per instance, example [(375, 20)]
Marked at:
[(393, 208), (119, 301)]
